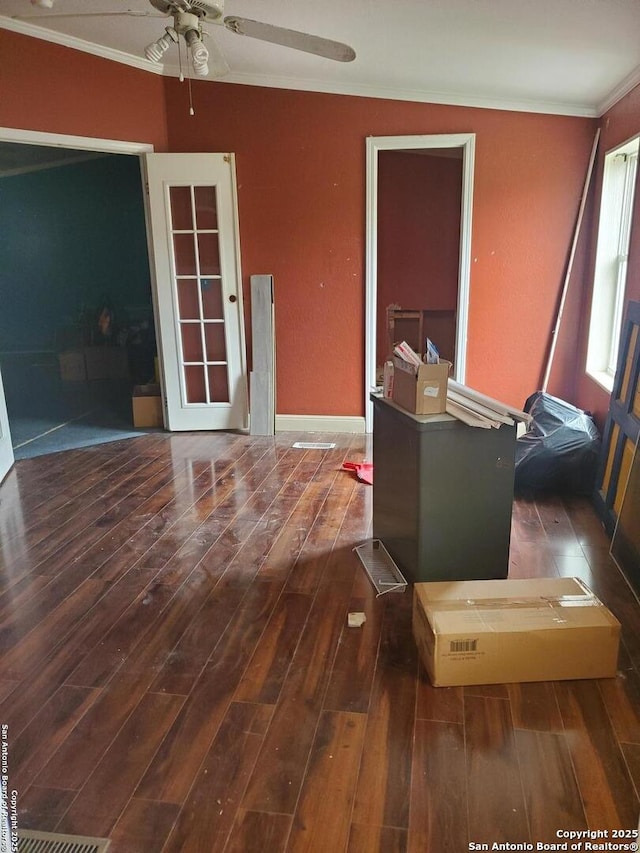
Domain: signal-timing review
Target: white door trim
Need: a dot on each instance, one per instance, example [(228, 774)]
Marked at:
[(6, 447), (375, 144), (238, 253), (82, 143)]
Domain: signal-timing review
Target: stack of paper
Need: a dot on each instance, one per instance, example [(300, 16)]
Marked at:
[(406, 353)]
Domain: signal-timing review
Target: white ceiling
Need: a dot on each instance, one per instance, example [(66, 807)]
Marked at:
[(561, 56)]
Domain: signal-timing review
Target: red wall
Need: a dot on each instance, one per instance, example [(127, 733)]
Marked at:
[(419, 197), (51, 88), (619, 124), (301, 175)]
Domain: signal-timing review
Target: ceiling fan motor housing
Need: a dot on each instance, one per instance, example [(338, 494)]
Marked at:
[(203, 9), (186, 22)]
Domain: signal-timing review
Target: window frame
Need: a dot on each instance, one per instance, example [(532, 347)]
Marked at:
[(611, 263)]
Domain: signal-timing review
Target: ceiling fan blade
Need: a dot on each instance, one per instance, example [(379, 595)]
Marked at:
[(291, 38), (130, 12)]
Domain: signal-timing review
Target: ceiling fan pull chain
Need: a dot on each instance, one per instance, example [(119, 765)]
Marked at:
[(181, 77), (192, 112)]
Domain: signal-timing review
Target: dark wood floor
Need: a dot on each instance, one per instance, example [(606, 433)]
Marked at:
[(177, 674)]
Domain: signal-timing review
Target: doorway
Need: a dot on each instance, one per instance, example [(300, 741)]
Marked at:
[(441, 290), (77, 246), (192, 233)]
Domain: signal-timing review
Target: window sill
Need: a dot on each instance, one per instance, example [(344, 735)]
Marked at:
[(602, 378)]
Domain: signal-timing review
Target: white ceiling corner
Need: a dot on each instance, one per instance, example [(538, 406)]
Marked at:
[(570, 57)]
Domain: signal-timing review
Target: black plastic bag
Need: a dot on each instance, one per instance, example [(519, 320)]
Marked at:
[(560, 450)]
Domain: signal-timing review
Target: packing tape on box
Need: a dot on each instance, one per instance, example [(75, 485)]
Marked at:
[(543, 601)]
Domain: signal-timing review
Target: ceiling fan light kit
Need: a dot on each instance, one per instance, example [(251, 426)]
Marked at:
[(199, 53), (188, 16), (157, 49)]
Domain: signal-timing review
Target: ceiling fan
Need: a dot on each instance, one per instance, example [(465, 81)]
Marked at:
[(188, 17)]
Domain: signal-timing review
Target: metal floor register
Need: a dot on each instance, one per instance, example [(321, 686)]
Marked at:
[(32, 841)]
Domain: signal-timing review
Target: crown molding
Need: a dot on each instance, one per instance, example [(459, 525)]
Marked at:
[(445, 98), (622, 89), (295, 83), (66, 40)]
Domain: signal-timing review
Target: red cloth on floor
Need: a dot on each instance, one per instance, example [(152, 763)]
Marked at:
[(363, 470)]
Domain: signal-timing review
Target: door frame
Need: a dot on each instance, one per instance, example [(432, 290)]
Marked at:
[(6, 448), (375, 144), (82, 143)]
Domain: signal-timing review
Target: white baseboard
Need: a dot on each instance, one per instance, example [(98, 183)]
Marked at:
[(319, 423)]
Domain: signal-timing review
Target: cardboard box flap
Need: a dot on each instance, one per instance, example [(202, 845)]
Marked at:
[(423, 370), (405, 366), (512, 605), (520, 616), (510, 589)]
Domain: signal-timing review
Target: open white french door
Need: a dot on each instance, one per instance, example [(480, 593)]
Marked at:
[(6, 449), (197, 290)]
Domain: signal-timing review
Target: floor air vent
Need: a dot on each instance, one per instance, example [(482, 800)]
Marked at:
[(31, 841), (313, 445)]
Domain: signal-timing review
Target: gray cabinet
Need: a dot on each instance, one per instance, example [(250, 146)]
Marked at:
[(442, 494)]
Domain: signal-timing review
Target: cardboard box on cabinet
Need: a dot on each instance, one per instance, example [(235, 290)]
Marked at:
[(421, 390)]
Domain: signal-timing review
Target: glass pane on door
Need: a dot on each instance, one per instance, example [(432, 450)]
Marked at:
[(195, 382), (184, 254), (218, 383), (212, 307), (181, 213), (214, 338), (209, 255), (198, 289), (191, 342), (188, 303), (205, 206)]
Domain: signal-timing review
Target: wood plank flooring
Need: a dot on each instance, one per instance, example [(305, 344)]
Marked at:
[(176, 671)]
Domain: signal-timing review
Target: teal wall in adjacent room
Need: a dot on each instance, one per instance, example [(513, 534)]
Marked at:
[(70, 237)]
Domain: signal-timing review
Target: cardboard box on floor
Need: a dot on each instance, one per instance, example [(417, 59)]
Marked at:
[(502, 631), (146, 403), (421, 390)]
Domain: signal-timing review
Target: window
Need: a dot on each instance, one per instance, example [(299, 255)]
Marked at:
[(612, 253)]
